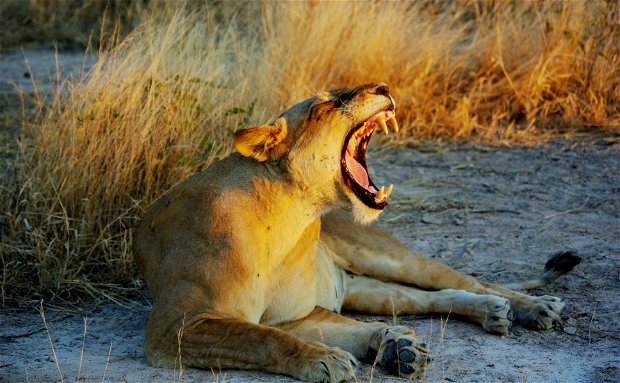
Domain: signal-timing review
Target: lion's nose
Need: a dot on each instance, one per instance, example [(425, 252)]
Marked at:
[(381, 89)]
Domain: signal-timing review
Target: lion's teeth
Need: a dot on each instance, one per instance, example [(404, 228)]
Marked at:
[(380, 194), (383, 125), (393, 122)]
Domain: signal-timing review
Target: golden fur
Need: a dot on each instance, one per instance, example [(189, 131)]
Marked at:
[(250, 261)]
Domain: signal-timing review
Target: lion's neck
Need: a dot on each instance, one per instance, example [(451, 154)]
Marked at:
[(289, 201), (282, 212)]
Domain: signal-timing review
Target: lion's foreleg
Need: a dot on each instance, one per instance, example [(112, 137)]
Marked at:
[(383, 298), (233, 343), (335, 330), (394, 347)]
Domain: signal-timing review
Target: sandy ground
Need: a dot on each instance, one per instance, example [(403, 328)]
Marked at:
[(19, 67), (493, 213)]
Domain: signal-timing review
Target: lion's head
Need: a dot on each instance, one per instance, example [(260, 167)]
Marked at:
[(321, 142)]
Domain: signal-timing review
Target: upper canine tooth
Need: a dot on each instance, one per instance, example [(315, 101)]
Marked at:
[(393, 122), (383, 126)]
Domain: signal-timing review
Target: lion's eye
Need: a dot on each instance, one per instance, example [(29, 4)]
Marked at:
[(339, 103), (321, 108)]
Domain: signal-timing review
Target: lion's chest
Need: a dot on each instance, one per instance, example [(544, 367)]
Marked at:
[(291, 296), (314, 280)]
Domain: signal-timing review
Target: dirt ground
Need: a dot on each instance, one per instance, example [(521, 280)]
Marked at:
[(496, 214)]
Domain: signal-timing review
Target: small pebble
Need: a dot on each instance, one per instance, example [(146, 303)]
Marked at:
[(570, 330), (431, 220)]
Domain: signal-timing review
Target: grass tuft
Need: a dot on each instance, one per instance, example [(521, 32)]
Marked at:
[(151, 112)]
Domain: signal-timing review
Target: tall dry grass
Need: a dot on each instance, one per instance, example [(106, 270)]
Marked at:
[(151, 112), (164, 102), (494, 71)]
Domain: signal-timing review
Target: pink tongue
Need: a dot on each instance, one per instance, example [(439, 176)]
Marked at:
[(358, 172)]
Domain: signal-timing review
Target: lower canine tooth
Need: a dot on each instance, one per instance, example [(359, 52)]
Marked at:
[(389, 190), (380, 194)]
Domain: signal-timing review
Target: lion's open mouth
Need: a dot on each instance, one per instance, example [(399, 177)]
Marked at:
[(353, 160)]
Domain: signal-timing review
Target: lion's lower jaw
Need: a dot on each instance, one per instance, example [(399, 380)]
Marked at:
[(362, 213)]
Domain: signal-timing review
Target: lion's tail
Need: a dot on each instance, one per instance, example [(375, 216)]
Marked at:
[(557, 265)]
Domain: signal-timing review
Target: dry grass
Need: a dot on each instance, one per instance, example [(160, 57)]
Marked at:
[(497, 72), (163, 103), (145, 118)]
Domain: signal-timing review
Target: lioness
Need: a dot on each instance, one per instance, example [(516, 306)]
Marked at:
[(251, 261)]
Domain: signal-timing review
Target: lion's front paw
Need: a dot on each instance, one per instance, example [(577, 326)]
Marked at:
[(540, 313), (401, 353), (329, 364), (497, 316)]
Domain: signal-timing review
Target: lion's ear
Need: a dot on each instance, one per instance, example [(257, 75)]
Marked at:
[(262, 143)]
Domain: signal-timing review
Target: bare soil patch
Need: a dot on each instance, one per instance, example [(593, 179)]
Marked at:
[(44, 66), (493, 213)]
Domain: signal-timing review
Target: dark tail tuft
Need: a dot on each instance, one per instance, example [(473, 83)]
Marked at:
[(561, 263), (557, 265)]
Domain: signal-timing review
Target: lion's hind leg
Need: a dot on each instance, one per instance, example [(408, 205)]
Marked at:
[(371, 250), (372, 296), (539, 312), (396, 348)]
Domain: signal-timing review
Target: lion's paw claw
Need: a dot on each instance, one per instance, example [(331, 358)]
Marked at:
[(332, 365), (540, 313), (498, 316)]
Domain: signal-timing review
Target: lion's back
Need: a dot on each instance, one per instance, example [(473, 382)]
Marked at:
[(184, 212)]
